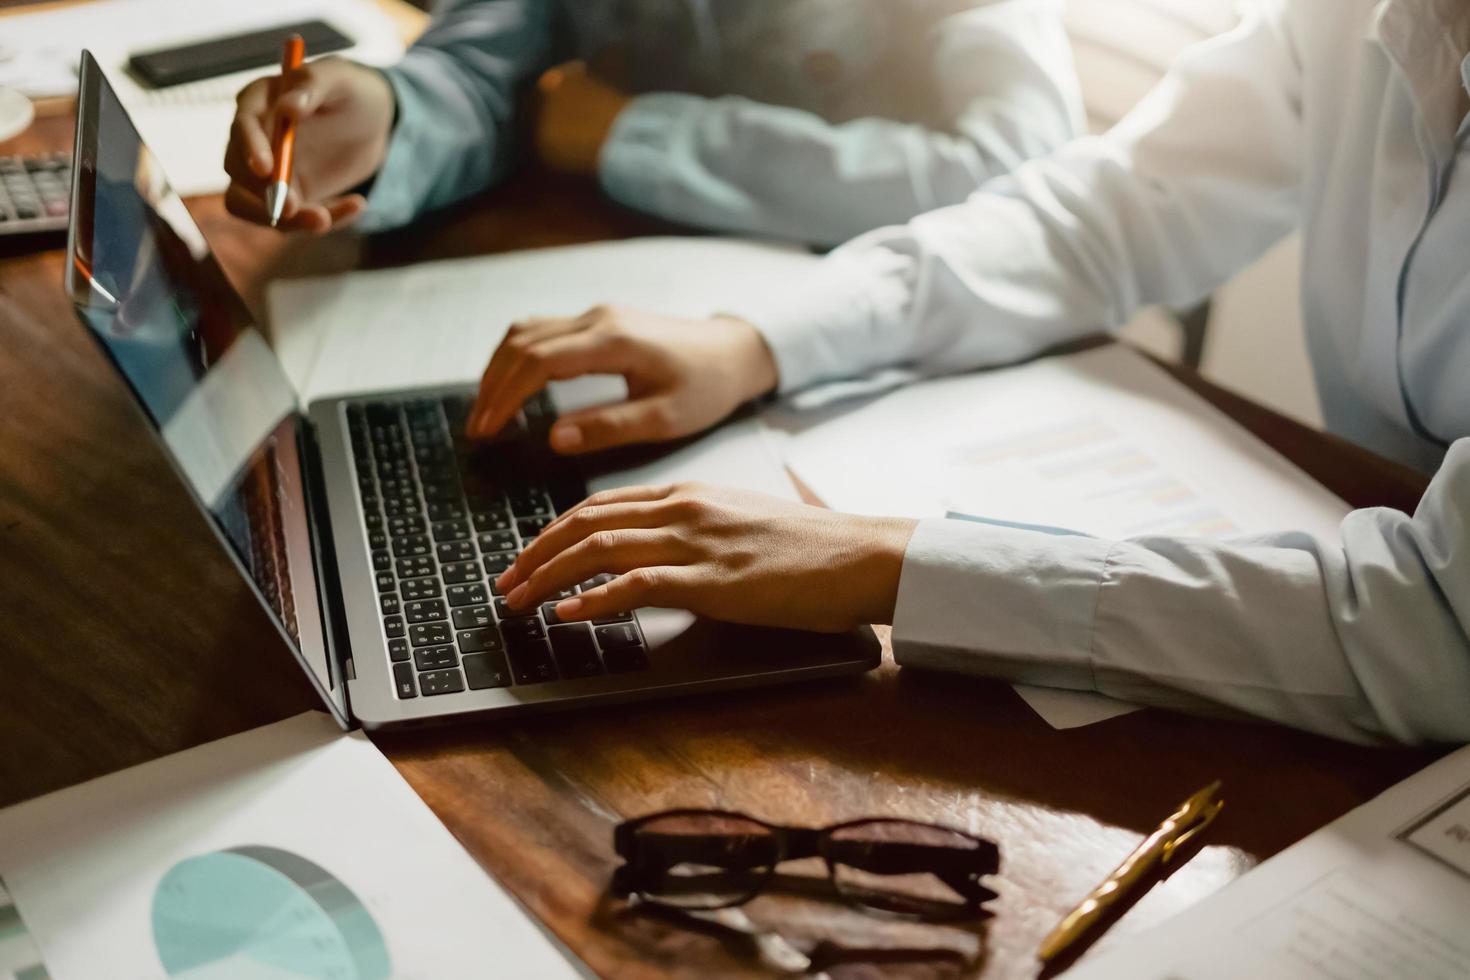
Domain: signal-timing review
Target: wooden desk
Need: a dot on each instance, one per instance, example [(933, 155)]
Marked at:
[(126, 634)]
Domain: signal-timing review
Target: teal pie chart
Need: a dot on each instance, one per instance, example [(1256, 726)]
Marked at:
[(262, 913)]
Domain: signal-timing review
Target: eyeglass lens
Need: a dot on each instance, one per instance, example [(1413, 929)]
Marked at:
[(907, 868), (703, 861)]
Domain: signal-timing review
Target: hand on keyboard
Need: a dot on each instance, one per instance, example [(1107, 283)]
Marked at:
[(441, 523), (683, 375), (728, 554)]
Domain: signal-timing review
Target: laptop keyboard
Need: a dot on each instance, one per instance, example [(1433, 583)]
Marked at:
[(444, 517)]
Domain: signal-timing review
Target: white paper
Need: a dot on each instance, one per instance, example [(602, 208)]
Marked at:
[(1361, 899), (116, 874), (1061, 708), (186, 126), (1101, 442), (438, 322)]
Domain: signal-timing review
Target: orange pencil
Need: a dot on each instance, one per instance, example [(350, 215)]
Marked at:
[(292, 55)]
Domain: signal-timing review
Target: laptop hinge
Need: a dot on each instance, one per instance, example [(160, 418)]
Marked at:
[(324, 555)]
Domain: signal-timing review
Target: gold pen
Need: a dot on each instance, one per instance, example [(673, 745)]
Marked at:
[(1158, 849)]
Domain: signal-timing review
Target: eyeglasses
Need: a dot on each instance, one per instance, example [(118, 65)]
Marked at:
[(713, 859)]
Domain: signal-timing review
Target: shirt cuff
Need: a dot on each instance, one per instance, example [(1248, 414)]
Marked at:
[(1000, 601), (636, 164), (397, 190), (842, 321)]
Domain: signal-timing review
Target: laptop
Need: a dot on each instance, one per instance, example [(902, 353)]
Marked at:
[(368, 527)]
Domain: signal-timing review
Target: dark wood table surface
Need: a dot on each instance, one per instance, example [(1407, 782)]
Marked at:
[(126, 634)]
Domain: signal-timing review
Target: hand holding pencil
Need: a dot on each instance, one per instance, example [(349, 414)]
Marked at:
[(284, 143), (304, 141)]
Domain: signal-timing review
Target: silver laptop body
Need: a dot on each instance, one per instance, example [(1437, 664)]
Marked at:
[(313, 505)]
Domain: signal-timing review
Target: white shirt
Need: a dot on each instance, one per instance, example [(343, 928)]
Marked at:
[(1343, 118)]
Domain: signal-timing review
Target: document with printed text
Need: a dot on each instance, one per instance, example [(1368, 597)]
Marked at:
[(1382, 892)]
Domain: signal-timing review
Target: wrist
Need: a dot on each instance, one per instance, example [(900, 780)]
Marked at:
[(756, 364), (878, 565), (385, 112)]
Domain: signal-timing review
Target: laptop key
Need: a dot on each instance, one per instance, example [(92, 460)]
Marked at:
[(497, 563), (529, 527), (429, 634), (466, 595), (379, 413), (548, 613), (424, 610), (525, 627), (473, 617), (373, 520), (528, 501), (455, 551), (419, 588), (402, 507), (398, 650), (446, 510), (575, 653), (614, 618), (403, 681), (388, 603), (377, 540), (394, 487), (405, 525), (491, 520), (435, 658), (441, 682), (450, 530), (497, 541), (504, 612), (382, 561), (478, 641), (415, 567), (386, 582), (530, 660), (440, 490), (457, 572), (393, 626), (622, 660), (411, 546), (485, 670), (617, 635)]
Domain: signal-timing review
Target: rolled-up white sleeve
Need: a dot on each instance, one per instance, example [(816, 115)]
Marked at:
[(1367, 639), (1162, 209)]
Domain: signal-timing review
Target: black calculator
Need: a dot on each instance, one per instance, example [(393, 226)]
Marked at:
[(34, 191)]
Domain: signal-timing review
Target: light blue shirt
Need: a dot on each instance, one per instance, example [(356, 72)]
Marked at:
[(812, 120), (1342, 118)]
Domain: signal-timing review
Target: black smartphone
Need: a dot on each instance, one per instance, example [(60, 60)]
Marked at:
[(239, 52)]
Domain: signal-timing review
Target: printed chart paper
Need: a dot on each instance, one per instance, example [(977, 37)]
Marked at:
[(291, 851)]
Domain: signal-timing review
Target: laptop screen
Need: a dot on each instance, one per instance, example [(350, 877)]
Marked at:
[(145, 284)]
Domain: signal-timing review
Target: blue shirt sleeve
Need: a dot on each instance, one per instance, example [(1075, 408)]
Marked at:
[(456, 92), (1007, 90)]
